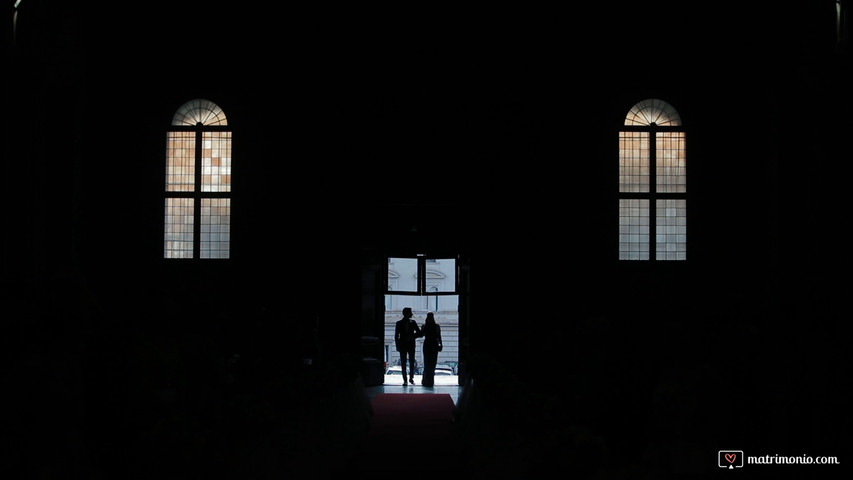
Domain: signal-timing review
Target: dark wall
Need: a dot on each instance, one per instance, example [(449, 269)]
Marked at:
[(490, 132), (487, 132)]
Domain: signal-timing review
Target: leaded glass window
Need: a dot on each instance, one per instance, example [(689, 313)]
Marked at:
[(197, 221), (652, 183)]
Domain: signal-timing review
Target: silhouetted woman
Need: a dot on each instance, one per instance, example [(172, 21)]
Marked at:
[(432, 345)]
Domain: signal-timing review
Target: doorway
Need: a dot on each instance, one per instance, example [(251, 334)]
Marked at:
[(425, 283)]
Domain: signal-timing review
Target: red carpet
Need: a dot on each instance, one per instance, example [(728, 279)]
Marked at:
[(411, 430)]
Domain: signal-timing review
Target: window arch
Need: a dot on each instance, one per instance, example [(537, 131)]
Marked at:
[(652, 183), (197, 221)]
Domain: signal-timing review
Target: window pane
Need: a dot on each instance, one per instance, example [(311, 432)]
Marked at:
[(199, 111), (180, 165), (633, 161), (402, 274), (633, 229), (653, 111), (441, 275), (215, 238), (178, 241), (671, 230), (216, 162), (670, 168)]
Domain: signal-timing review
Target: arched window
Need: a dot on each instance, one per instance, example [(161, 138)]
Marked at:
[(197, 221), (652, 184)]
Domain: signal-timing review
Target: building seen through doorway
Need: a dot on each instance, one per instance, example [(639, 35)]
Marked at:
[(426, 285)]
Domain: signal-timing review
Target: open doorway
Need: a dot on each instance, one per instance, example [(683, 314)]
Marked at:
[(425, 284)]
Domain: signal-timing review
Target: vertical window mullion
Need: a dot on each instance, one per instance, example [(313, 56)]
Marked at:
[(199, 145), (421, 275), (653, 197)]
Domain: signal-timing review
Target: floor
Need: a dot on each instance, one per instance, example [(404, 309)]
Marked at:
[(394, 384)]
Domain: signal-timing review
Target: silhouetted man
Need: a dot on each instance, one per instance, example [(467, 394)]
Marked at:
[(405, 333)]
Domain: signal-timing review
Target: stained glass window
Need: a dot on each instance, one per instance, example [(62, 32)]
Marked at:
[(652, 172), (197, 221)]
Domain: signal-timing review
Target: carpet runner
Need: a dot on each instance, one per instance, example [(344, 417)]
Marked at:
[(411, 431)]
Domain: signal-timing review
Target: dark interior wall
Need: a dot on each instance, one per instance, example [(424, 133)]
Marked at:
[(350, 129), (491, 133)]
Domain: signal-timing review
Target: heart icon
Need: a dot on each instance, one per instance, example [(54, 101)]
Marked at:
[(730, 457)]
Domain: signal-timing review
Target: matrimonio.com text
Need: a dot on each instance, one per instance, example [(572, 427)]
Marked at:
[(732, 459)]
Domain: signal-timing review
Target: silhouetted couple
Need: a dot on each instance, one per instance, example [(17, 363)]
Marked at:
[(405, 333)]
